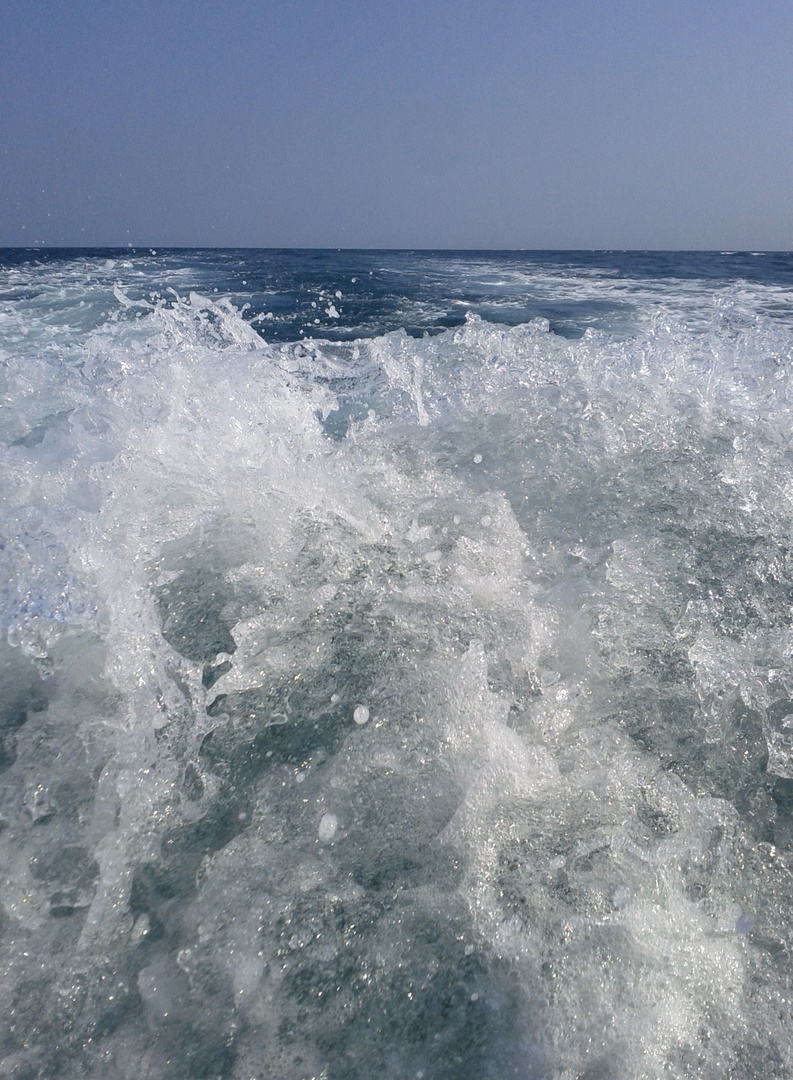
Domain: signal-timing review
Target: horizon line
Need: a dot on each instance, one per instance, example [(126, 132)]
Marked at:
[(155, 248)]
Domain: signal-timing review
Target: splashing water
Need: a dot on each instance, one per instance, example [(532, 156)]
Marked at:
[(400, 706)]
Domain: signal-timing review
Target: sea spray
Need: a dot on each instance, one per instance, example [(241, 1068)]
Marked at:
[(396, 706)]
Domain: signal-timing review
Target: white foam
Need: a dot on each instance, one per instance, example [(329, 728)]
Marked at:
[(542, 646)]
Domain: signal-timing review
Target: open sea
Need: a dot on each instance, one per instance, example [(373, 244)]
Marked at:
[(396, 665)]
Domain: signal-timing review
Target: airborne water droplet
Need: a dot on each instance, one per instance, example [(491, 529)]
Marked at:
[(328, 825)]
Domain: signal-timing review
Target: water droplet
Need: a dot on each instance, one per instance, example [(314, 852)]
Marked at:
[(328, 825), (746, 923)]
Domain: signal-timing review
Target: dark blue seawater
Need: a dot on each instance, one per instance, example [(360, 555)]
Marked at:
[(427, 291), (396, 665)]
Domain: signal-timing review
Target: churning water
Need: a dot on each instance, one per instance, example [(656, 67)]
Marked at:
[(397, 666)]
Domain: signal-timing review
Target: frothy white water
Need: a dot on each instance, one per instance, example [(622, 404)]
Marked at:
[(407, 707)]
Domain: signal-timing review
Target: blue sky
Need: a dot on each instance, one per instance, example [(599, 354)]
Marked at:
[(505, 124)]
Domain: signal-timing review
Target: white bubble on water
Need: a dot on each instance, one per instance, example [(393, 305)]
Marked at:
[(360, 714), (477, 459), (328, 825), (745, 923), (621, 896)]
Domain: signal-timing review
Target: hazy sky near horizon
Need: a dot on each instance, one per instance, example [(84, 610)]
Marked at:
[(365, 123)]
